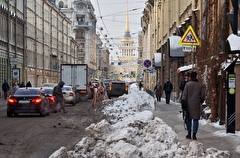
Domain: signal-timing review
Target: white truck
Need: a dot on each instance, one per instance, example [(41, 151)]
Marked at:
[(76, 75)]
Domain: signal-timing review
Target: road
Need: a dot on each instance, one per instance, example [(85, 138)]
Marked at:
[(32, 136)]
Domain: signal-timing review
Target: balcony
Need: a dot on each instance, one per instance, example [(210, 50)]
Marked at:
[(78, 24)]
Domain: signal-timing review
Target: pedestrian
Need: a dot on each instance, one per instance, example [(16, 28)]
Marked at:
[(59, 99), (158, 91), (5, 88), (28, 84), (140, 85), (22, 84), (193, 96), (181, 87), (168, 87)]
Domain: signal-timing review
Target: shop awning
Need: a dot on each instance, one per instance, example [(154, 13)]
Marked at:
[(233, 42), (185, 68)]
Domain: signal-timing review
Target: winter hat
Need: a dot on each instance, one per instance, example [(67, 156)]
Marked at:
[(186, 74), (193, 75)]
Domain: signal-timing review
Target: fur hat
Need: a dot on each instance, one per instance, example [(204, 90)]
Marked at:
[(193, 75)]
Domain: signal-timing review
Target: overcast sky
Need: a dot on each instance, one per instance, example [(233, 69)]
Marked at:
[(111, 16)]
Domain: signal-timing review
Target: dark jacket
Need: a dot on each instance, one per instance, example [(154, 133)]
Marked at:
[(192, 93), (28, 84), (5, 86), (168, 87), (58, 92)]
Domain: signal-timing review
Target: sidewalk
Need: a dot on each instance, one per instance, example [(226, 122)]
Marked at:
[(208, 135), (3, 104)]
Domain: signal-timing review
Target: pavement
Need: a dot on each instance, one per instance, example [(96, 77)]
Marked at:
[(3, 104), (209, 135)]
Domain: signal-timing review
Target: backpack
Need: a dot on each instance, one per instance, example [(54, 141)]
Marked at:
[(54, 91)]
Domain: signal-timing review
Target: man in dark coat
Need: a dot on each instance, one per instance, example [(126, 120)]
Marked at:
[(158, 90), (193, 96), (5, 88), (28, 84), (59, 99), (168, 87)]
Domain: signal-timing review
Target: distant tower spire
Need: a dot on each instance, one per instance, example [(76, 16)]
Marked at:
[(127, 30)]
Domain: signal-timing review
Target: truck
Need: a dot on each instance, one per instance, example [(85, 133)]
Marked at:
[(76, 75)]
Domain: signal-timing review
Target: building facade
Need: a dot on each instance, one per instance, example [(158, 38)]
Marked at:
[(83, 30), (165, 21), (34, 41)]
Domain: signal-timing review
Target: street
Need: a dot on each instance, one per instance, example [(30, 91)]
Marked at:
[(33, 136)]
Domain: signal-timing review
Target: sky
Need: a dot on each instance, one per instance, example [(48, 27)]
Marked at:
[(135, 132), (111, 16)]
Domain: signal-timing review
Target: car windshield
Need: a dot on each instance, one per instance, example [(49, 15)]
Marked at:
[(26, 91)]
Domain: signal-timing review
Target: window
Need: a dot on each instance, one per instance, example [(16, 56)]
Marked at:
[(61, 4)]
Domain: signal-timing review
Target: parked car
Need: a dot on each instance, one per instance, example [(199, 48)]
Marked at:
[(48, 93), (27, 100), (117, 88), (48, 84), (69, 95)]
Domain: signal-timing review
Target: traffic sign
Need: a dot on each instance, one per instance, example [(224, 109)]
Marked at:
[(147, 63), (189, 38), (188, 48)]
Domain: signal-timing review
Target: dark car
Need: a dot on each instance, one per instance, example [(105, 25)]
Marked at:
[(117, 88), (27, 100), (48, 94)]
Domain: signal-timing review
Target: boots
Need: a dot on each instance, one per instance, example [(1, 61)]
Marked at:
[(194, 136), (189, 135)]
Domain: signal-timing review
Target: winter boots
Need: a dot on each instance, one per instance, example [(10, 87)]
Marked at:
[(194, 136), (189, 135)]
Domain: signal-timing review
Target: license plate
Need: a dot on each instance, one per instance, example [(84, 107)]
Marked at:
[(24, 101)]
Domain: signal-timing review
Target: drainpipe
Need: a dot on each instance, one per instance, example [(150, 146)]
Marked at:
[(8, 44), (35, 24), (43, 30)]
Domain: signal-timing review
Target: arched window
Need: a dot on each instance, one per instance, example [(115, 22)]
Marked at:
[(61, 4), (80, 34)]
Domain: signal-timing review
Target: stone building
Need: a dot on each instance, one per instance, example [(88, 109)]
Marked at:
[(83, 30), (164, 24), (125, 68)]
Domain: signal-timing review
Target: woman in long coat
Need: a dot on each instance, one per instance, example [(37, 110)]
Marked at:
[(158, 90), (193, 96)]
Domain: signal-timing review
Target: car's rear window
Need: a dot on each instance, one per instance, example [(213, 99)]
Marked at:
[(67, 89), (26, 92), (47, 91)]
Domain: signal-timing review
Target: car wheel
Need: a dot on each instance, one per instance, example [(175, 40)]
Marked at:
[(9, 113)]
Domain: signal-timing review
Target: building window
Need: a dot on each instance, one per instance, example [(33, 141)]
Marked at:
[(61, 4)]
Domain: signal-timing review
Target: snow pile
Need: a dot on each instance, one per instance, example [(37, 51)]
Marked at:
[(135, 132)]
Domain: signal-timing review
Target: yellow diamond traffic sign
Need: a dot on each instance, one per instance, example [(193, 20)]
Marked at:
[(189, 38)]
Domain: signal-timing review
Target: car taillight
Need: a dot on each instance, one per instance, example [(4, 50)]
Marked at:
[(110, 87), (126, 88), (83, 92), (12, 100), (70, 94), (51, 99), (37, 100)]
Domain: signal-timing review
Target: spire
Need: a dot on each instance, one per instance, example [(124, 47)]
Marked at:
[(127, 31)]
